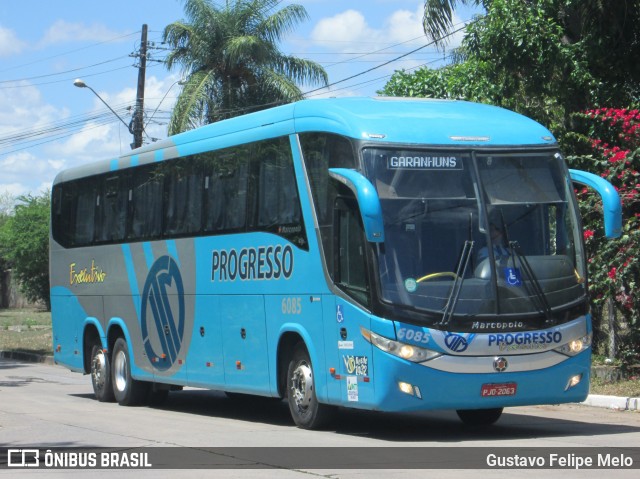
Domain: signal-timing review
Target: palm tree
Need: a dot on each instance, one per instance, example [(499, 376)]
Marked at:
[(231, 62), (438, 17)]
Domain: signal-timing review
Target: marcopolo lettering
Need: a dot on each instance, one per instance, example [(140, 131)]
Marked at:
[(497, 325), (250, 264), (542, 337), (424, 162)]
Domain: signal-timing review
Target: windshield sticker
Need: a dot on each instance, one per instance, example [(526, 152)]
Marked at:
[(512, 276), (424, 163), (410, 284)]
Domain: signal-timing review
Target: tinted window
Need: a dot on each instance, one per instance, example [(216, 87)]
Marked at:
[(244, 188)]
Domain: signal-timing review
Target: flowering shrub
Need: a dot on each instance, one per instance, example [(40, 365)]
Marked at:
[(609, 145)]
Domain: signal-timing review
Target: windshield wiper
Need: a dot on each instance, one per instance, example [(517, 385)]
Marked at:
[(543, 303), (461, 270)]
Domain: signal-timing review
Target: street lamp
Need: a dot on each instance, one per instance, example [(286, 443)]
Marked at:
[(80, 84)]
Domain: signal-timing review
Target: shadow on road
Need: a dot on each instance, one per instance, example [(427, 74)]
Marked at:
[(440, 426)]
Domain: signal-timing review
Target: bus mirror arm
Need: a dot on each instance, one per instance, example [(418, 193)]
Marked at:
[(368, 201), (611, 206)]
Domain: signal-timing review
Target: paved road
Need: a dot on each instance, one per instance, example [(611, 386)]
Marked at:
[(47, 406)]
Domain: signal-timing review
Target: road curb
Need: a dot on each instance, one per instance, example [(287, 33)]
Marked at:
[(613, 402), (27, 357), (593, 400)]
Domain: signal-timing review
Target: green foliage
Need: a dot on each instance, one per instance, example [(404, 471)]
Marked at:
[(24, 243), (608, 143), (231, 62), (546, 59)]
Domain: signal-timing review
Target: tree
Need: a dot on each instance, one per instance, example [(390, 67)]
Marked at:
[(547, 59), (607, 141), (24, 242), (230, 58)]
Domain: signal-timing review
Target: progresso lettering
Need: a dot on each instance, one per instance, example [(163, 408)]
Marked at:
[(251, 264), (544, 337)]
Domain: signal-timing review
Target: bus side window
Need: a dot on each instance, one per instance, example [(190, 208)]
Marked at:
[(322, 151), (112, 209), (226, 175), (277, 201), (146, 210), (84, 212), (183, 197)]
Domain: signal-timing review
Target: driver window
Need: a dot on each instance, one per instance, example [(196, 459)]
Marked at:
[(349, 252)]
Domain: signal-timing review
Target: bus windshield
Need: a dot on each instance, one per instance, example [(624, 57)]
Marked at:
[(470, 234)]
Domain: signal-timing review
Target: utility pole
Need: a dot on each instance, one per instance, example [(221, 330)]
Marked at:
[(137, 123)]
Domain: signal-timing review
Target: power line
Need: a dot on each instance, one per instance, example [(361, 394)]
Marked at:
[(64, 80), (62, 72), (68, 52)]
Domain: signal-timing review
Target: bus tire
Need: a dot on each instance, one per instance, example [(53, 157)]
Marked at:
[(101, 374), (479, 417), (127, 391), (305, 409)]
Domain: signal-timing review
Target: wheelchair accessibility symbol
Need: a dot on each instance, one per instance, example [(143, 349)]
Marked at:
[(512, 276)]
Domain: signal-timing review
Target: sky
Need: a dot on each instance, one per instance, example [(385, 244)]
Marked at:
[(47, 124)]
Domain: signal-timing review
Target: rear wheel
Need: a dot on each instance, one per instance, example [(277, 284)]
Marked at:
[(127, 391), (101, 374), (305, 409), (479, 417)]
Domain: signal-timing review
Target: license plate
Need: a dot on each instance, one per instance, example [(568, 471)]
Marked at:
[(496, 390)]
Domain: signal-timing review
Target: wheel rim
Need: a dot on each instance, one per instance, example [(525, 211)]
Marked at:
[(99, 370), (120, 371), (302, 385)]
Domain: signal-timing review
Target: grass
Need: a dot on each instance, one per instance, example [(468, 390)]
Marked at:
[(35, 337), (25, 330)]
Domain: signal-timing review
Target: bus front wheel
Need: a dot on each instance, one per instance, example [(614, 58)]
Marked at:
[(127, 391), (479, 417), (101, 374), (305, 409)]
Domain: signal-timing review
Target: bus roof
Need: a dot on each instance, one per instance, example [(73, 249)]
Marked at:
[(378, 119)]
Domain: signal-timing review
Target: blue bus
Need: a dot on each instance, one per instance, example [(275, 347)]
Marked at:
[(374, 253)]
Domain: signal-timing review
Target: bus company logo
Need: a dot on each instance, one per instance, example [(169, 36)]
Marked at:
[(458, 343), (271, 262), (162, 315), (500, 364)]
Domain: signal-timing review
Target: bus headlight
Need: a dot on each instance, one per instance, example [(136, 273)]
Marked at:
[(406, 351), (575, 346)]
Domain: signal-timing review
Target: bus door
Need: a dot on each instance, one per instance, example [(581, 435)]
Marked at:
[(354, 354)]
